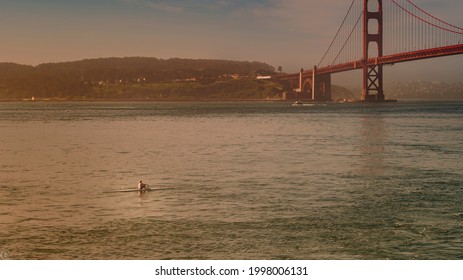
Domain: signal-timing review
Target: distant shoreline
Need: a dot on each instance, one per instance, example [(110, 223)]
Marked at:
[(214, 101), (142, 100)]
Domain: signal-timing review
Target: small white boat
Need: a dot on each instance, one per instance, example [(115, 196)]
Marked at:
[(298, 103)]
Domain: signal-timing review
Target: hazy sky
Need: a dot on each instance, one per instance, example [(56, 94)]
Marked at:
[(290, 33)]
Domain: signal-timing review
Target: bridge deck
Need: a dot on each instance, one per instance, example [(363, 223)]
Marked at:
[(384, 60)]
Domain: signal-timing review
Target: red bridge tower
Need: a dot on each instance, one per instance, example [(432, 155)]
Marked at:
[(373, 74)]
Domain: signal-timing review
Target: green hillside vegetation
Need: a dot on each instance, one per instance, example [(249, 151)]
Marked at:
[(137, 78)]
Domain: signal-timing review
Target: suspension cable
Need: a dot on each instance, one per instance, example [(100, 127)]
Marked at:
[(348, 38), (423, 20), (337, 33), (446, 23)]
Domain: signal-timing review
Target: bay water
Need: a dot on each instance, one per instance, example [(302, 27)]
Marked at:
[(240, 180)]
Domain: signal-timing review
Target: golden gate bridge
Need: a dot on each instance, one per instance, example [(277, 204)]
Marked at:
[(375, 33)]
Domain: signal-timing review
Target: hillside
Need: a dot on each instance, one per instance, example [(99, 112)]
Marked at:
[(134, 78)]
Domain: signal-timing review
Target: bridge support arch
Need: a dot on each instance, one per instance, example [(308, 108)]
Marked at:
[(309, 85), (313, 86)]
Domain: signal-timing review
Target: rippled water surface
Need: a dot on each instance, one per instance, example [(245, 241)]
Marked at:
[(242, 180)]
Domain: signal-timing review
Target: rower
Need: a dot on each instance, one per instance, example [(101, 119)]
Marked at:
[(141, 186)]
